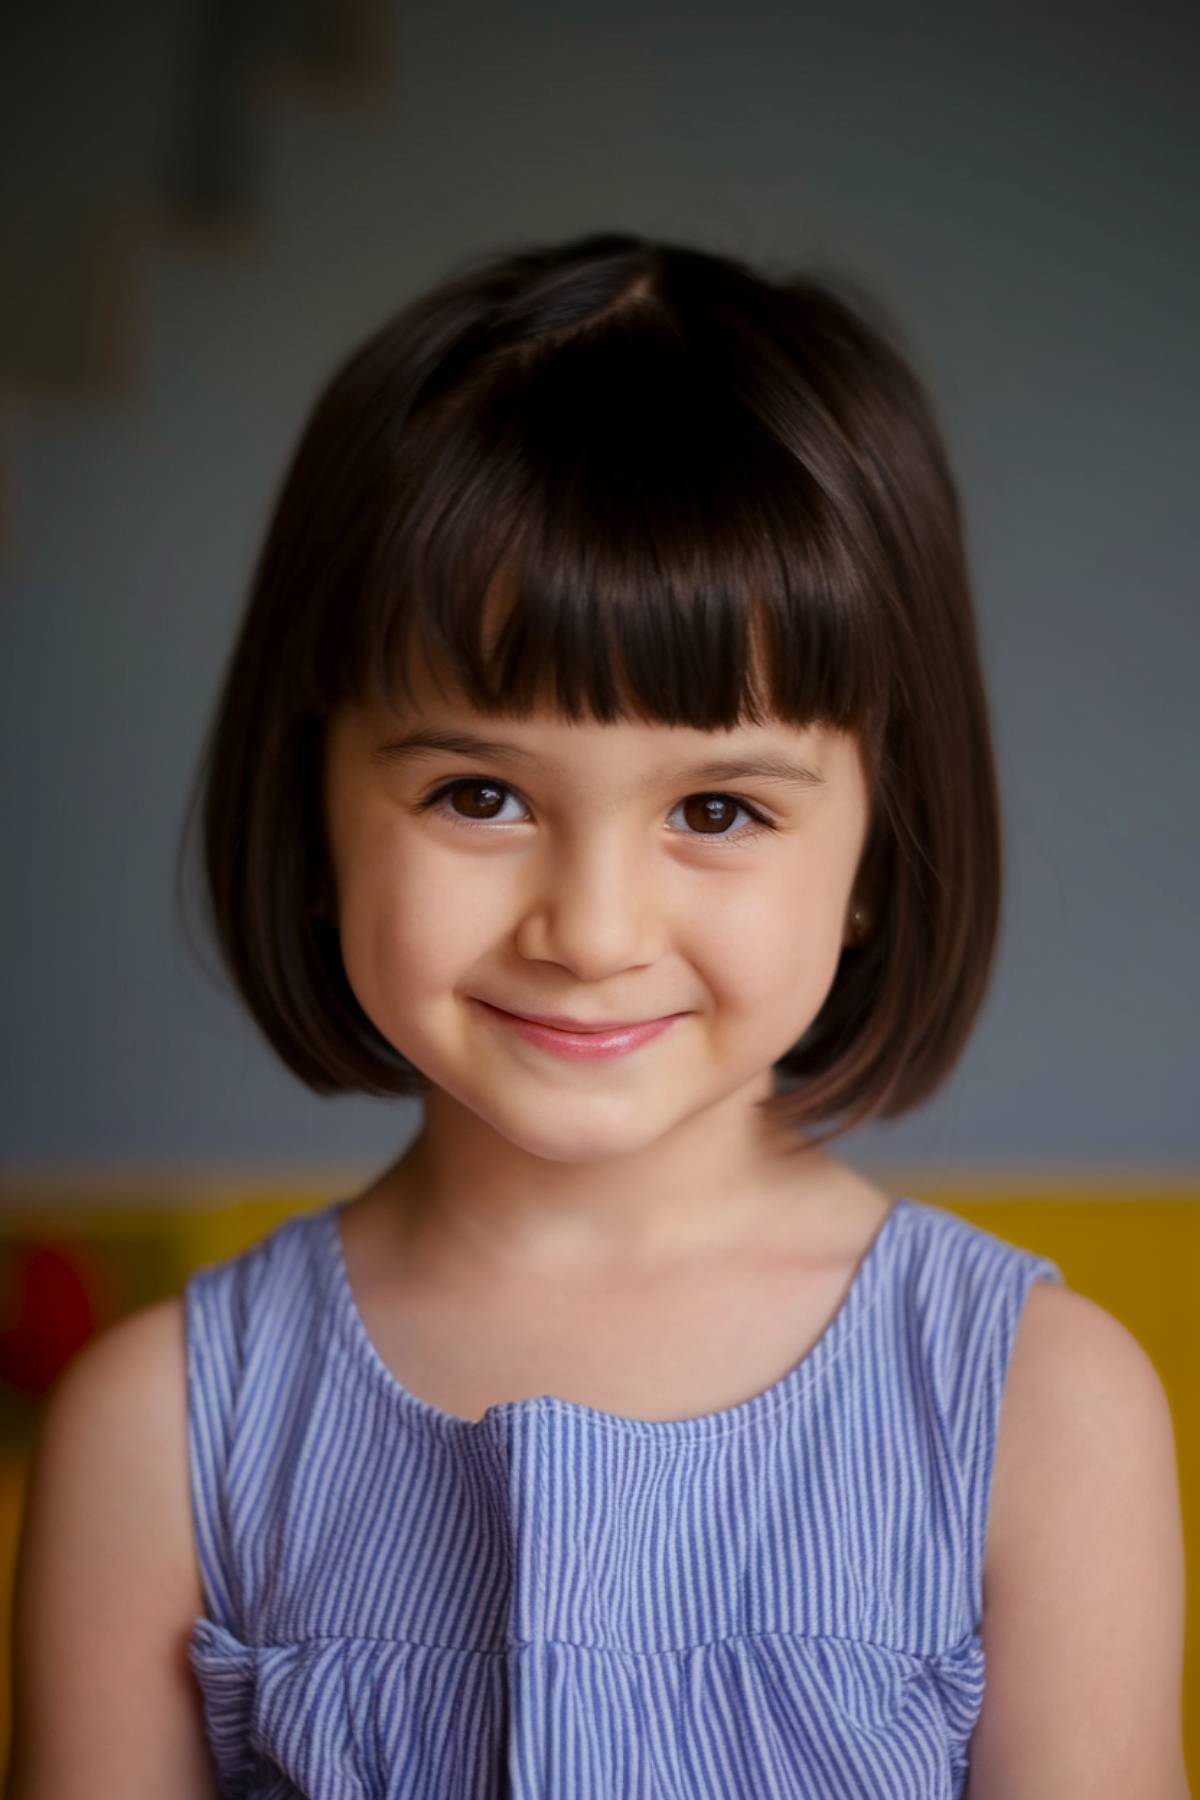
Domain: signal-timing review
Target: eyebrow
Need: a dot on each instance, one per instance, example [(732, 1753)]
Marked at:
[(466, 743)]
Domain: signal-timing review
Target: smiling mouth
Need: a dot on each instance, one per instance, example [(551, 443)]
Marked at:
[(590, 1042), (557, 1022)]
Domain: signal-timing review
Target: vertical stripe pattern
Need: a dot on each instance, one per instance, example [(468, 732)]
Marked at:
[(780, 1599)]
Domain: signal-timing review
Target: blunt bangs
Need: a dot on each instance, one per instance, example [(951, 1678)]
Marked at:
[(608, 528), (621, 479)]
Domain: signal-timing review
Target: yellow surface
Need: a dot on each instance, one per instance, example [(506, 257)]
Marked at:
[(1136, 1251)]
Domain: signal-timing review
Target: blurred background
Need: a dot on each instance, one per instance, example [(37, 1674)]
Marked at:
[(205, 205)]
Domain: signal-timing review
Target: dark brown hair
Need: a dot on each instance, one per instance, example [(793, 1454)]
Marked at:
[(709, 496)]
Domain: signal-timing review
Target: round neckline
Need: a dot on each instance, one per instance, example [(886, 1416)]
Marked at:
[(864, 1288)]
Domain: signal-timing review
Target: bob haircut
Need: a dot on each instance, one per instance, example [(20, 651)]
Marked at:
[(709, 497)]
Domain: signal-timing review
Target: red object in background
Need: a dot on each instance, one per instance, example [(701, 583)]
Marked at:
[(51, 1313)]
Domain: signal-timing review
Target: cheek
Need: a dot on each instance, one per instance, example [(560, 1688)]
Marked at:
[(401, 924), (773, 949)]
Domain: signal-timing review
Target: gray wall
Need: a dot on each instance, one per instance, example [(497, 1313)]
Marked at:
[(1020, 188)]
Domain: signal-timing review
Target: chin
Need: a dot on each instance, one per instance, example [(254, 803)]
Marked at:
[(572, 1129)]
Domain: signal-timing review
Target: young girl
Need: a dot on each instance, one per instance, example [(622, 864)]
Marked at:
[(604, 759)]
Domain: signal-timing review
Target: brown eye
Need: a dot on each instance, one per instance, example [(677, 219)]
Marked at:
[(710, 813), (486, 797), (484, 803)]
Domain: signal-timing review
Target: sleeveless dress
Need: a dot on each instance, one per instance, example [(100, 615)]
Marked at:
[(779, 1600)]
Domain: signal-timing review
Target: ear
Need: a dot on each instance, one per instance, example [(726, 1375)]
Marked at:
[(859, 924), (870, 884)]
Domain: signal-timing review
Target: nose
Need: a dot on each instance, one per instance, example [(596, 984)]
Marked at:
[(594, 909)]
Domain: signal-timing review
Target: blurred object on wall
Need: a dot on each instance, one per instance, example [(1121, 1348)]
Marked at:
[(52, 1298), (62, 1279)]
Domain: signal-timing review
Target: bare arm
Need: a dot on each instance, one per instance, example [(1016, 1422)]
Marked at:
[(1083, 1627), (106, 1581)]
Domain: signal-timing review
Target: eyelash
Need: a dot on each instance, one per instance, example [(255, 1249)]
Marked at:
[(436, 802)]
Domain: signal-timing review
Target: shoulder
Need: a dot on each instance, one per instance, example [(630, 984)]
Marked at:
[(142, 1354), (107, 1584), (1084, 1566), (115, 1429), (1080, 1391)]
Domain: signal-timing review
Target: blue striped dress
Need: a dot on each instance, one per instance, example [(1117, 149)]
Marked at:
[(782, 1599)]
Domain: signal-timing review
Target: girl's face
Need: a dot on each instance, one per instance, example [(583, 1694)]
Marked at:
[(597, 872)]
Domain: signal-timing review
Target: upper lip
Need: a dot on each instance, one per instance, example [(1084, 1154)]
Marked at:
[(565, 1024)]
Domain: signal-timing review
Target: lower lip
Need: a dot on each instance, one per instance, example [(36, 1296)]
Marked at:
[(587, 1044)]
